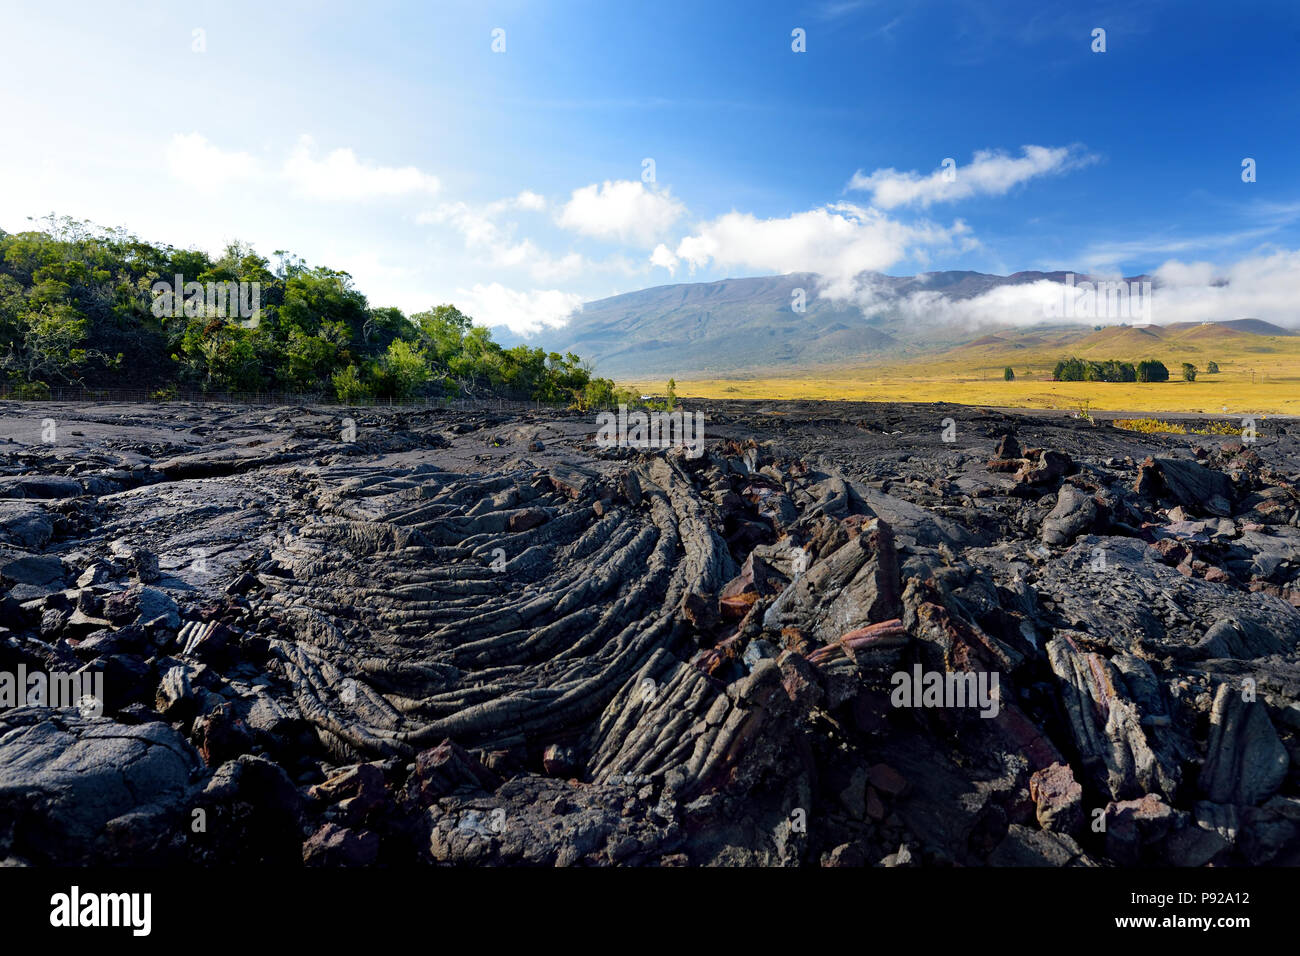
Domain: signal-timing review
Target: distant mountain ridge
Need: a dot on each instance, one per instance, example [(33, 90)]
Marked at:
[(750, 324)]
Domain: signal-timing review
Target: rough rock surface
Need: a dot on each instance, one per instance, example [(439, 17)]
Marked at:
[(475, 637)]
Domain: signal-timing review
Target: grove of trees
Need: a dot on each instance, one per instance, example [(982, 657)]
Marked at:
[(1112, 370), (75, 309), (1084, 370)]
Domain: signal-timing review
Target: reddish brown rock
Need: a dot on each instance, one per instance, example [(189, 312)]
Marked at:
[(800, 681), (1133, 827), (1006, 464), (359, 791), (699, 611), (1171, 551), (524, 520), (875, 806), (887, 780), (446, 769), (1044, 468), (1058, 799), (221, 736), (1008, 447), (333, 845), (559, 761), (882, 635)]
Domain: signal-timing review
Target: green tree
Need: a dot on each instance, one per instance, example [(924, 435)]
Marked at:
[(52, 343), (1150, 370), (312, 358), (76, 305), (349, 387), (598, 393), (1008, 374), (1189, 372), (405, 368), (1212, 368)]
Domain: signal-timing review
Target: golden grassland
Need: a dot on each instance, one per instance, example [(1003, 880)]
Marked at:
[(1258, 375)]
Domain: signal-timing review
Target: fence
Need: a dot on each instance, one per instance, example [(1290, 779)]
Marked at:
[(79, 395)]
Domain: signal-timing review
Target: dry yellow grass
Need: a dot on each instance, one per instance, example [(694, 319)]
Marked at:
[(1258, 375)]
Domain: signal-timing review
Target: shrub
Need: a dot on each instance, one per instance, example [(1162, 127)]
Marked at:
[(33, 392), (407, 368), (598, 393), (1153, 425), (1149, 426), (350, 388)]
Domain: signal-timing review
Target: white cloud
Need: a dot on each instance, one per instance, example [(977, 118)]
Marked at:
[(476, 225), (1259, 287), (530, 200), (194, 161), (1024, 304), (483, 234), (989, 173), (1175, 274), (625, 210), (664, 258), (340, 175), (521, 312), (526, 200), (838, 241)]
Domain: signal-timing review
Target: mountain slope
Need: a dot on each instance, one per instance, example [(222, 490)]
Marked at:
[(716, 326), (751, 324)]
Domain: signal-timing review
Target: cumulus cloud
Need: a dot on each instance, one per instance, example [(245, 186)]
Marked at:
[(521, 312), (1025, 304), (530, 200), (837, 241), (623, 210), (1258, 287), (664, 258), (339, 175), (194, 161), (990, 173), (484, 235)]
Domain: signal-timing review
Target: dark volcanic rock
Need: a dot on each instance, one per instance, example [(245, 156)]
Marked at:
[(1075, 511), (1125, 755), (1190, 484), (74, 790), (472, 636), (1245, 762)]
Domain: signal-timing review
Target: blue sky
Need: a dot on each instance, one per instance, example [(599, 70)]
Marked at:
[(391, 141)]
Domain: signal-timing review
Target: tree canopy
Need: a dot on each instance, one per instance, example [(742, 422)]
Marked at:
[(77, 308)]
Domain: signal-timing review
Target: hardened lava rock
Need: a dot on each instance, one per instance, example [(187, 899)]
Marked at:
[(844, 635)]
